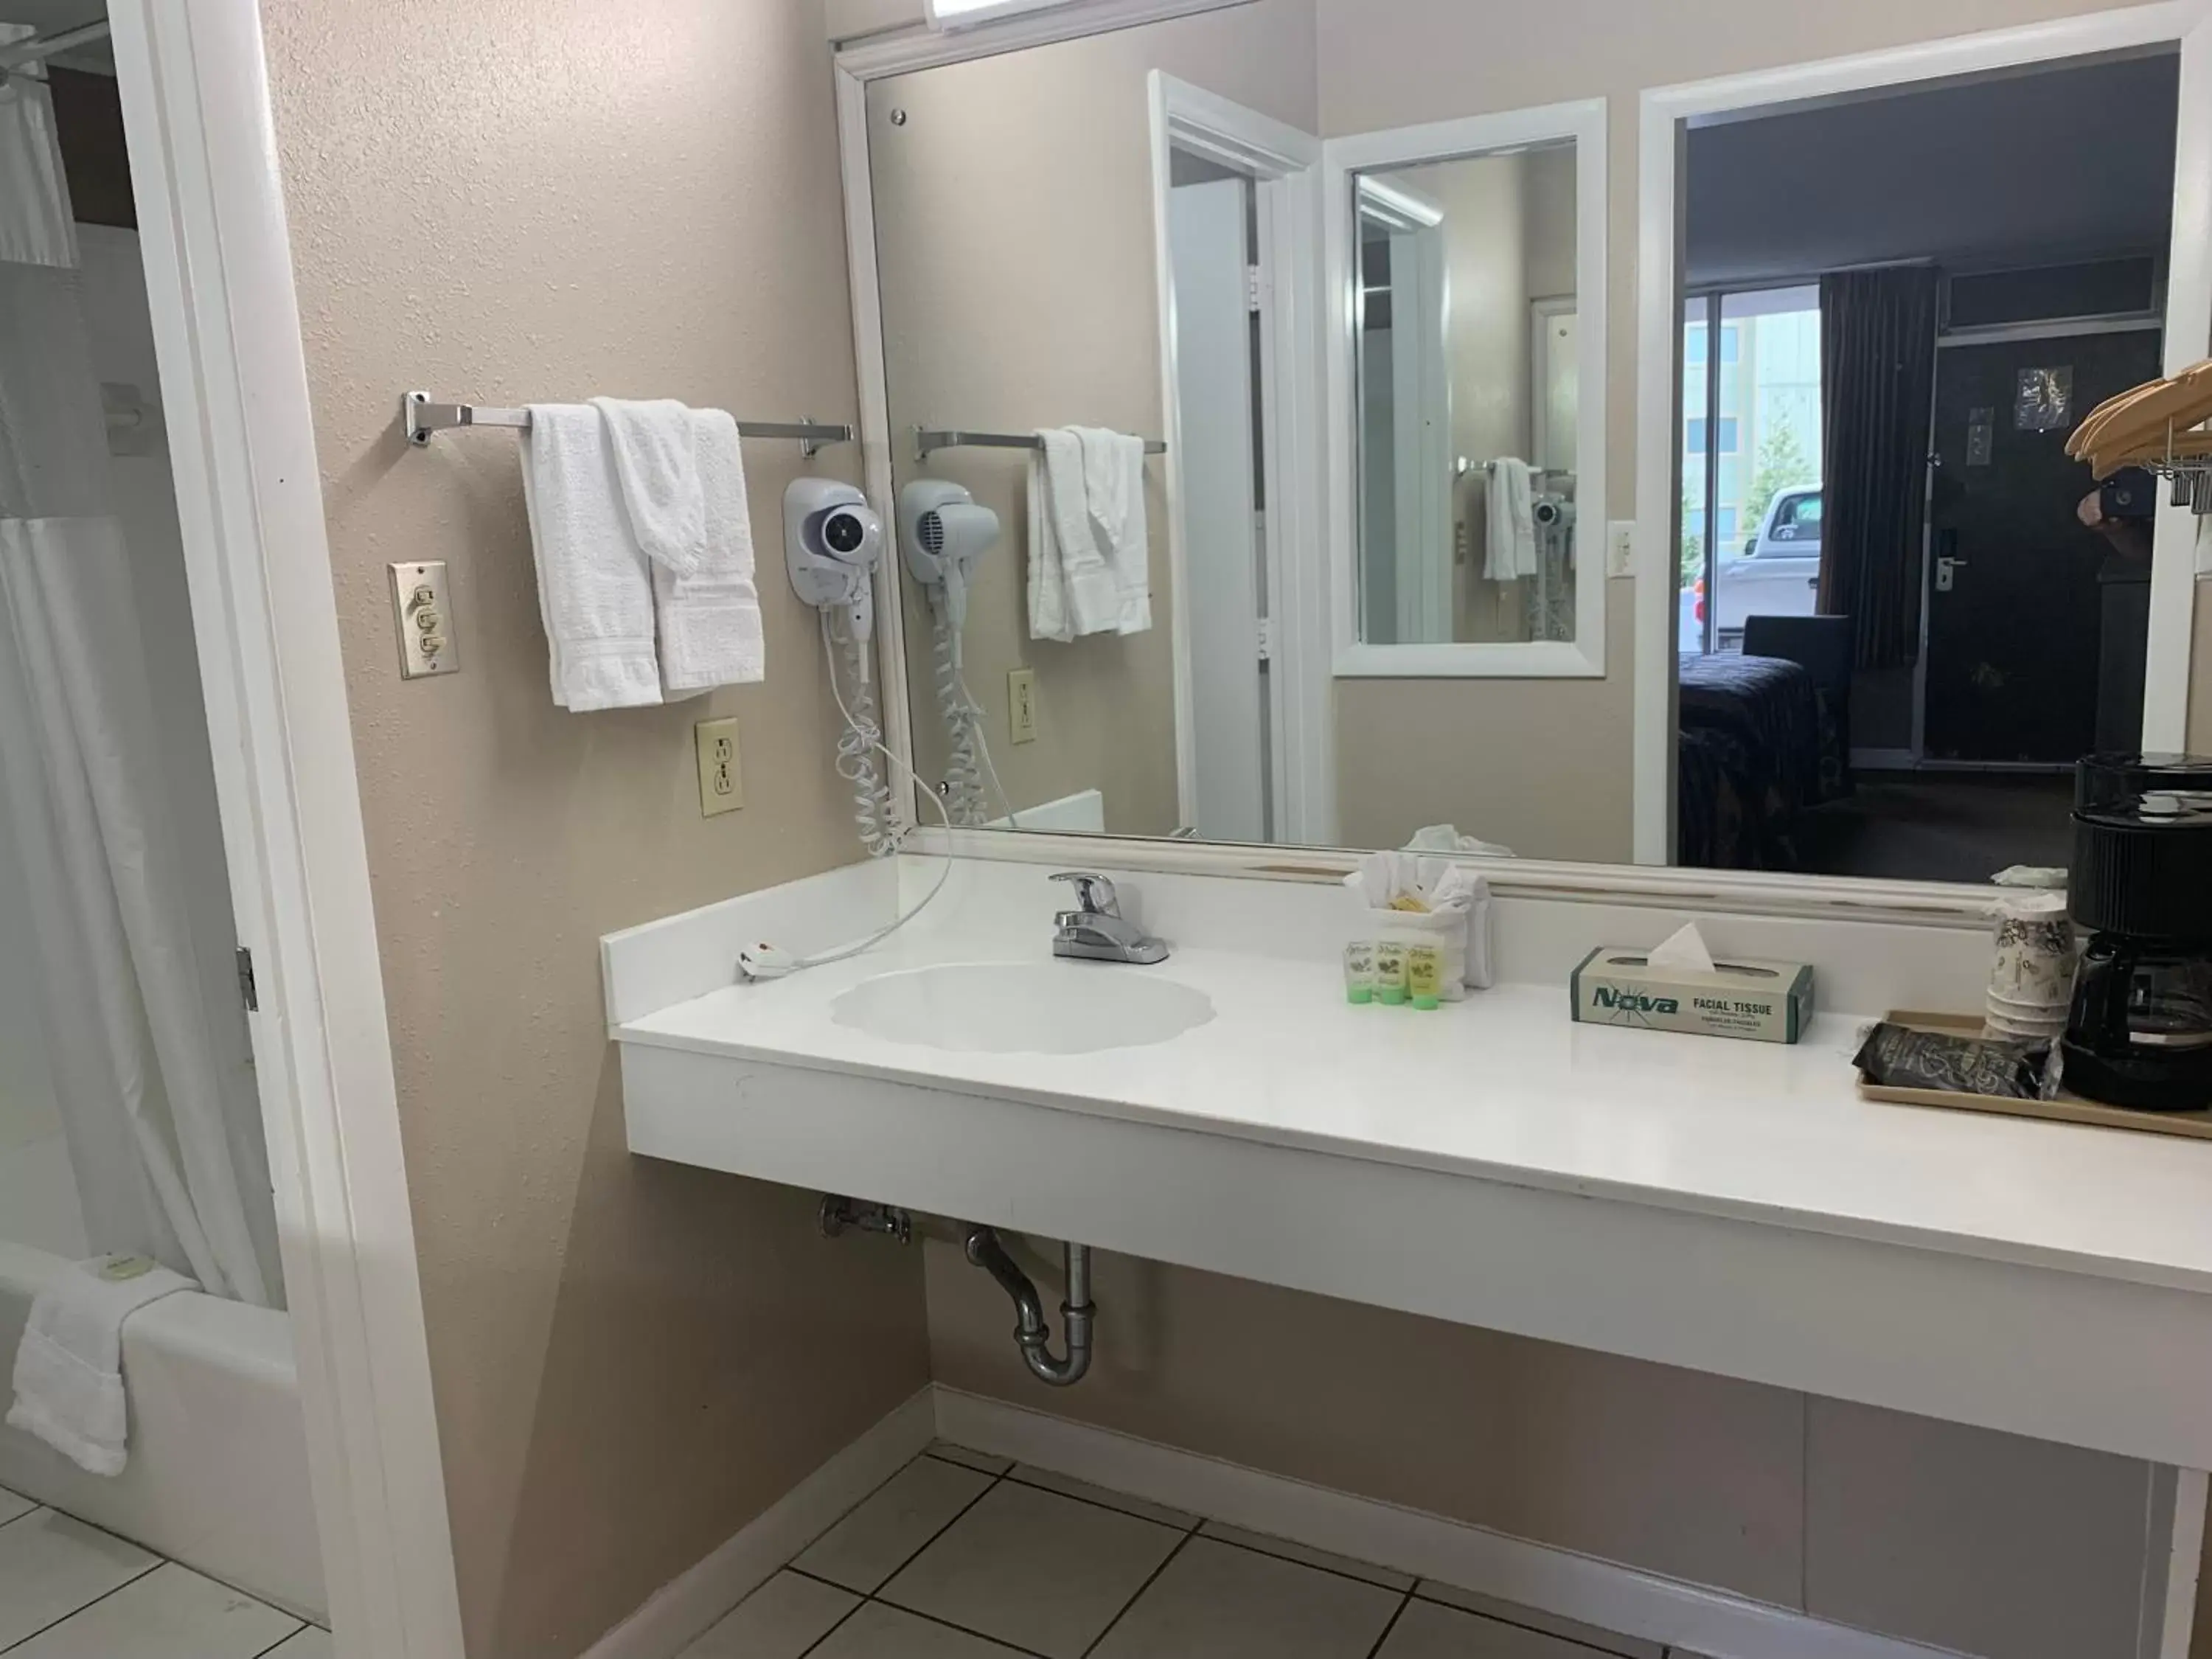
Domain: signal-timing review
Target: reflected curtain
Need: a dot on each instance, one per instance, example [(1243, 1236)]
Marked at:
[(163, 1148), (1877, 378)]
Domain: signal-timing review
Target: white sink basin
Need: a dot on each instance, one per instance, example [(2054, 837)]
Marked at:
[(1023, 1007)]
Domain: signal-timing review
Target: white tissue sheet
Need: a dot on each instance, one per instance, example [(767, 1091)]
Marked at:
[(1683, 952)]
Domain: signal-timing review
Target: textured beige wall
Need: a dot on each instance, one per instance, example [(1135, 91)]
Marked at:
[(1014, 232), (520, 199), (1416, 752)]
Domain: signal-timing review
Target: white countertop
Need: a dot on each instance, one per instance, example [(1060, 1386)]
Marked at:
[(1507, 1088)]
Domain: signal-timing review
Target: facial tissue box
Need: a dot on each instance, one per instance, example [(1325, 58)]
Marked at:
[(1679, 987)]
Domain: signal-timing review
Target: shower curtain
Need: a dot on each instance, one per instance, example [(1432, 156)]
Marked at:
[(167, 1158)]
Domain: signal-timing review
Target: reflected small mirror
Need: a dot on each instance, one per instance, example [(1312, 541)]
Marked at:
[(1467, 393)]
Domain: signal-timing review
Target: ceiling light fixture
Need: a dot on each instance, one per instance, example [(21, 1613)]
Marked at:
[(966, 14)]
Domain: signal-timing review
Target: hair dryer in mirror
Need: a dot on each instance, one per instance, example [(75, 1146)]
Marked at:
[(946, 534)]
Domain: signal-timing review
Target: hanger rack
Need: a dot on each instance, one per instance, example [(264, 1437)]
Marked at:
[(419, 418), (925, 441)]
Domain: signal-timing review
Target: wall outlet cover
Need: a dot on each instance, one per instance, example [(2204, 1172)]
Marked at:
[(1021, 704), (721, 785), (1620, 548), (422, 611)]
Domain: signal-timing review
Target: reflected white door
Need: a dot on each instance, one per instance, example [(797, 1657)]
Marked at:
[(1214, 369)]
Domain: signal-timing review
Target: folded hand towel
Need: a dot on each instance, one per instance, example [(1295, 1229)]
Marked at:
[(710, 621), (1511, 517), (69, 1370), (656, 457), (1093, 596), (1113, 485), (1047, 586), (594, 588)]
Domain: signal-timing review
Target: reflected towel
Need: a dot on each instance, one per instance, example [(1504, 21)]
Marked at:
[(1511, 521)]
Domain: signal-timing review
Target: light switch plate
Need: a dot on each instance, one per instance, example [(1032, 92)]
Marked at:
[(1021, 704), (1620, 548), (721, 785), (422, 611)]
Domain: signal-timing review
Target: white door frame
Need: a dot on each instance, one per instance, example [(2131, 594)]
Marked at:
[(195, 95), (1284, 165), (1659, 285), (1420, 396)]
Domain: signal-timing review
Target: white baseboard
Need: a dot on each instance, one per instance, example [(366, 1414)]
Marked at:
[(682, 1610), (1556, 1581)]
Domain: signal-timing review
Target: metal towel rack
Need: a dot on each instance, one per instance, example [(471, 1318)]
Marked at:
[(419, 418), (924, 441)]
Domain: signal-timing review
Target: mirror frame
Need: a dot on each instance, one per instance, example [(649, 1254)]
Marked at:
[(1672, 892), (1344, 163)]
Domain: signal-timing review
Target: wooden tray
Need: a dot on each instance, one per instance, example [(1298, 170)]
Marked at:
[(2067, 1108)]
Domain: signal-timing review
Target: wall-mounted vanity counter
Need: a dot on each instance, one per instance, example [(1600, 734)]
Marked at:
[(1731, 1207)]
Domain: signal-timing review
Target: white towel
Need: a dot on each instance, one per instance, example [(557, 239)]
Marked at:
[(1090, 569), (710, 621), (69, 1370), (1511, 552), (1114, 482), (594, 588), (656, 457)]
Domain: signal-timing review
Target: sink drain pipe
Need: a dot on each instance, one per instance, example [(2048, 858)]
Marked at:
[(1031, 1333)]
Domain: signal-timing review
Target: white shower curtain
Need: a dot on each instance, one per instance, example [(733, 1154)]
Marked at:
[(162, 1148)]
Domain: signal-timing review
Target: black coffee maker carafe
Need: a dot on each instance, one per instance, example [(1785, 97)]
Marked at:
[(2140, 1033)]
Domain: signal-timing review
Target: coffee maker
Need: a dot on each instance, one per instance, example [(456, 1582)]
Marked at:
[(2140, 1030)]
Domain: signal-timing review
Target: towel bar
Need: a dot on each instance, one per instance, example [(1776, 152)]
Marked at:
[(419, 418), (925, 441)]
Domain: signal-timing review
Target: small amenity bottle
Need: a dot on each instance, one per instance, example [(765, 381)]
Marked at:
[(1424, 969), (1390, 974), (1359, 972)]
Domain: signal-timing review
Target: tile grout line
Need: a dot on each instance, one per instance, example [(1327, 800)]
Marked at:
[(1010, 1474), (1197, 1521), (1532, 1630), (1296, 1561), (946, 1624), (1151, 1579), (909, 1559), (285, 1638), (1396, 1613), (155, 1565), (35, 1509)]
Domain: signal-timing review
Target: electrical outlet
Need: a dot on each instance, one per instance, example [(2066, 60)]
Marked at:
[(1620, 548), (721, 787), (1021, 704)]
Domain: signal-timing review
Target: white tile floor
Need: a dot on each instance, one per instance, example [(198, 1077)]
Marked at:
[(964, 1556), (70, 1591)]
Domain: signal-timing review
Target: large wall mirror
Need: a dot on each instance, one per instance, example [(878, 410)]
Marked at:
[(1250, 481)]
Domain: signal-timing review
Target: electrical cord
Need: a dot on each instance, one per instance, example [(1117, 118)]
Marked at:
[(856, 762), (968, 760)]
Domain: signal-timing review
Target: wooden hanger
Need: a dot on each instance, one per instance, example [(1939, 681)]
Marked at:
[(2153, 422)]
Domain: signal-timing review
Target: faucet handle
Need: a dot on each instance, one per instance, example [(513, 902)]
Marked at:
[(1094, 894)]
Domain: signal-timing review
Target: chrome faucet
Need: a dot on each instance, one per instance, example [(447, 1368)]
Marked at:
[(1095, 930)]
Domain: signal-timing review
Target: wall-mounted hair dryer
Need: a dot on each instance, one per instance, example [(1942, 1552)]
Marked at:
[(945, 534), (831, 541)]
